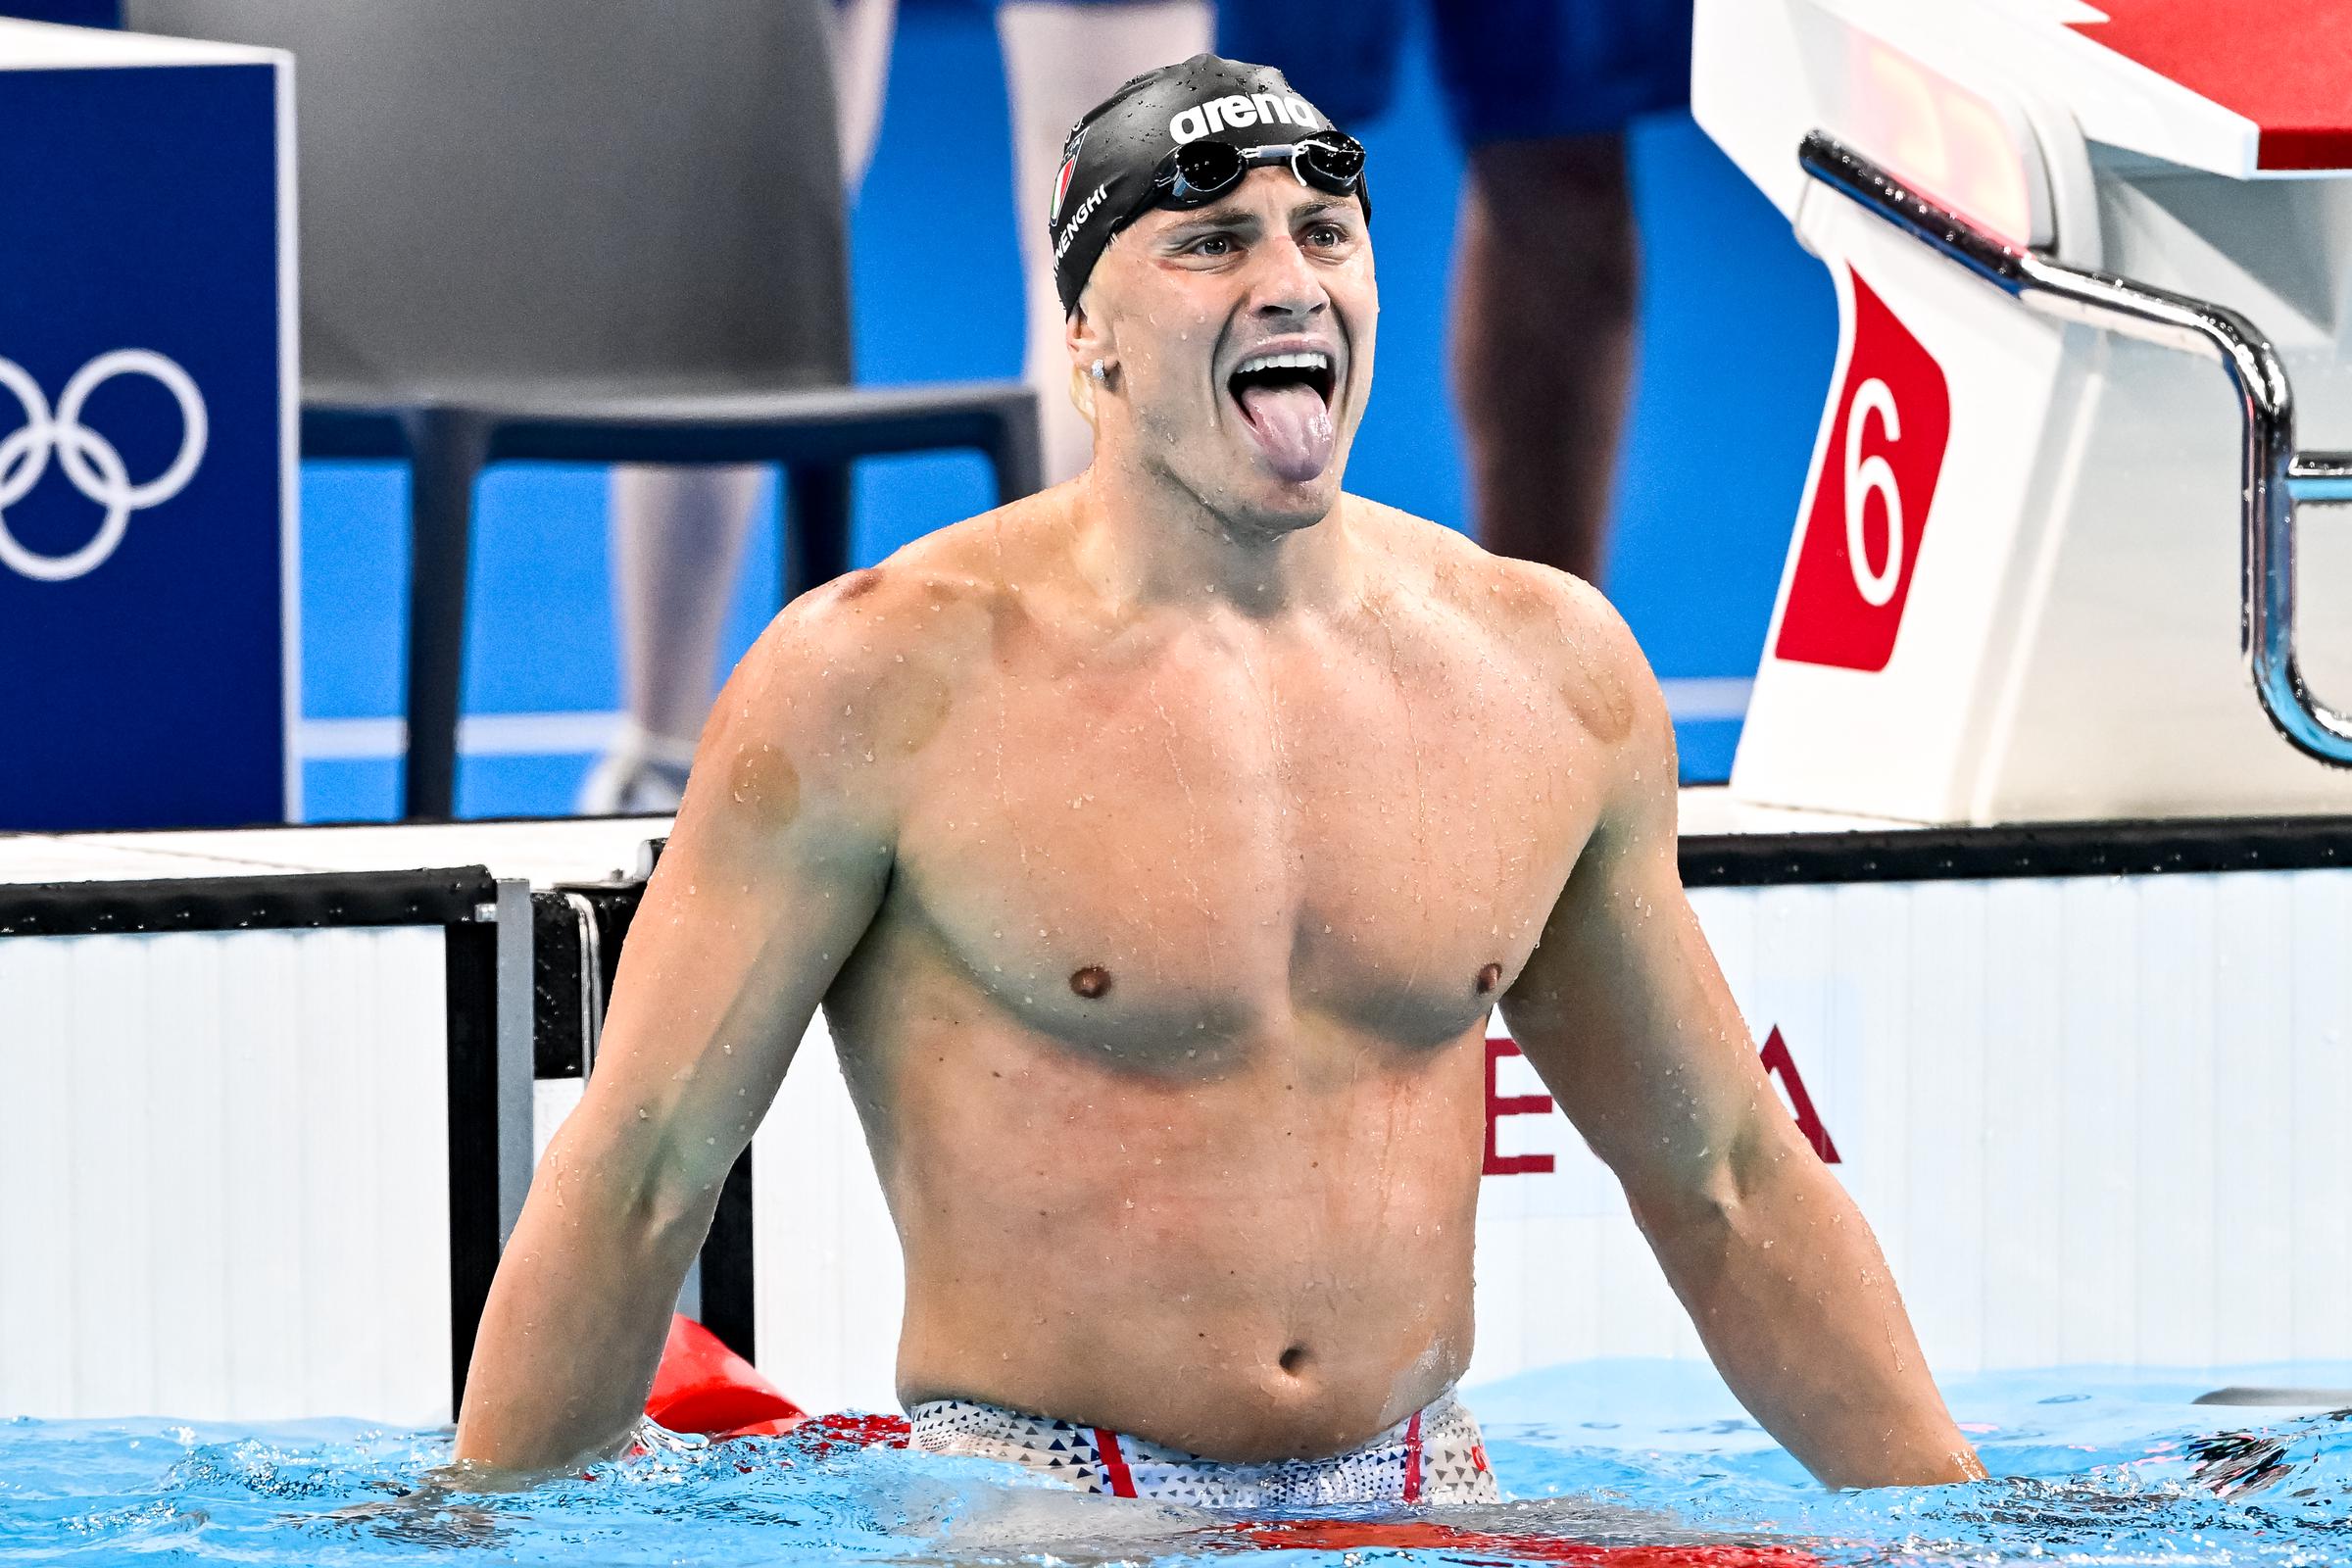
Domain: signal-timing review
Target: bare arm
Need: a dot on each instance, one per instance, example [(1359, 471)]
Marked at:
[(1624, 1013), (776, 867)]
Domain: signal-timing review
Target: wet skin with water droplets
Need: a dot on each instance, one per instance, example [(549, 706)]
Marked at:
[(1167, 1032)]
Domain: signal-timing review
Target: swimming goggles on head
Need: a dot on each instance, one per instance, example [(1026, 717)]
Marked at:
[(1202, 172)]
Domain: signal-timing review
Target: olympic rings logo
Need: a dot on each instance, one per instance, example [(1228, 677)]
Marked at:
[(90, 461)]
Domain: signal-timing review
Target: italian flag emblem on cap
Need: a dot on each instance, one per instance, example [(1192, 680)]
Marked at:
[(1062, 187)]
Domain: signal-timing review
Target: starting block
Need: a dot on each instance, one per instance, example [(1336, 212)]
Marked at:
[(2091, 267)]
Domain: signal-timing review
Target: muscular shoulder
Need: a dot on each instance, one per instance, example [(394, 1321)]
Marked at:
[(1557, 627), (852, 679)]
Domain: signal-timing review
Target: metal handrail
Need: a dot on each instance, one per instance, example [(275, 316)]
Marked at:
[(2274, 475), (592, 979)]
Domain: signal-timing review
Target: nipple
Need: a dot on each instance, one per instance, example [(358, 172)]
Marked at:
[(1091, 982), (1489, 978)]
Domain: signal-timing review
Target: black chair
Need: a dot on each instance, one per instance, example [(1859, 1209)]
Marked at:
[(579, 230)]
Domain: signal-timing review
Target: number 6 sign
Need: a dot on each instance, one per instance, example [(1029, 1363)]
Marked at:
[(1882, 453)]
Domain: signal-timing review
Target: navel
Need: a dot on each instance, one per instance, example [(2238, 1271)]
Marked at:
[(1091, 982), (1489, 978)]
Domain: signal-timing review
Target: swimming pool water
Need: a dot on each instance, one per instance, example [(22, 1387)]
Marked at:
[(2094, 1468)]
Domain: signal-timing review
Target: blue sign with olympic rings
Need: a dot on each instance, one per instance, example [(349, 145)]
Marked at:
[(146, 610)]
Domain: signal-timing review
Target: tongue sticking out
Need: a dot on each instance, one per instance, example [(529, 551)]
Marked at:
[(1292, 427)]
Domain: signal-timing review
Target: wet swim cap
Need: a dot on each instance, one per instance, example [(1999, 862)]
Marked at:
[(1107, 163)]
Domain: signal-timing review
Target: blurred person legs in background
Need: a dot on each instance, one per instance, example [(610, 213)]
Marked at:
[(678, 533), (1547, 264), (863, 31), (677, 538), (1062, 59)]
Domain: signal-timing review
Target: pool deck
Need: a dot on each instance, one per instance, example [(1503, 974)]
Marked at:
[(558, 849)]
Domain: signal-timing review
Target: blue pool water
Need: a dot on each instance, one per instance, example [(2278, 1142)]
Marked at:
[(2093, 1467)]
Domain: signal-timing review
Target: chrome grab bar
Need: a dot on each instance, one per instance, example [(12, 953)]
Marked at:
[(2274, 476), (592, 980)]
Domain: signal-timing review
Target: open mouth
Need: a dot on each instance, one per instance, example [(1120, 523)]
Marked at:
[(1284, 398), (1270, 371)]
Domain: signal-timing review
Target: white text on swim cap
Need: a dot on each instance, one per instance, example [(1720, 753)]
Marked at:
[(1086, 209), (1235, 111)]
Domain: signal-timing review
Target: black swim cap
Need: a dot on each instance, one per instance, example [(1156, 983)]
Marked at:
[(1107, 163)]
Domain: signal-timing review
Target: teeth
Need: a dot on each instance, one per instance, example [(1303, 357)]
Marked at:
[(1312, 360)]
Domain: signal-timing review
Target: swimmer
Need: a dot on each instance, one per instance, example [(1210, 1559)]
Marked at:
[(1158, 847)]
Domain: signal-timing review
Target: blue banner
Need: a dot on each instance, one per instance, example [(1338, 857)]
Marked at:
[(143, 613)]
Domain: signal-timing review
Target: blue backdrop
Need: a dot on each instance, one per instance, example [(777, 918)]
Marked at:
[(1738, 339), (140, 214)]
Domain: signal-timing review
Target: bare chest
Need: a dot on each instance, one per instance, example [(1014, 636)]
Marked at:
[(1210, 849)]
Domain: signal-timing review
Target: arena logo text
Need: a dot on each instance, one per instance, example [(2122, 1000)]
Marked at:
[(1235, 111)]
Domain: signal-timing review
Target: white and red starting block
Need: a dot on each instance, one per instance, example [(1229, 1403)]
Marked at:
[(2092, 269)]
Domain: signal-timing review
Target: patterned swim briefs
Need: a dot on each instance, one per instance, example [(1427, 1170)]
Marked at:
[(1435, 1457)]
